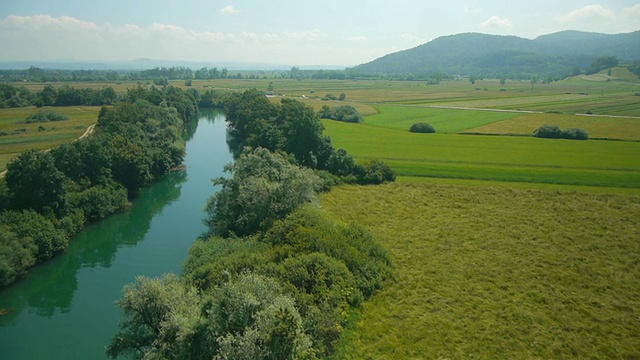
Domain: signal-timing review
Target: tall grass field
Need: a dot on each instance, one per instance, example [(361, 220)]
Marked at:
[(496, 273)]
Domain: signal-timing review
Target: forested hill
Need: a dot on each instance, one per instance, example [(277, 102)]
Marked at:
[(556, 54)]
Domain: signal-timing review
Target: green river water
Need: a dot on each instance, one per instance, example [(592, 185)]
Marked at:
[(65, 308)]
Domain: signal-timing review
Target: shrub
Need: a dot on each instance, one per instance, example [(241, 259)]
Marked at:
[(45, 116), (554, 132), (330, 97), (346, 113), (575, 134), (548, 132), (422, 128)]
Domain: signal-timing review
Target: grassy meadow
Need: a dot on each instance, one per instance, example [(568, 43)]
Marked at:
[(490, 272), (496, 158), (19, 136)]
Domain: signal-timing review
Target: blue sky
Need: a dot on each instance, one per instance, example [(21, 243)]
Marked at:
[(321, 32)]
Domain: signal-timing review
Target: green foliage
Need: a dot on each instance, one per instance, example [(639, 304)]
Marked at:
[(100, 201), (374, 172), (605, 62), (292, 127), (45, 116), (422, 128), (29, 224), (326, 267), (212, 260), (308, 230), (346, 113), (162, 320), (554, 132), (264, 187), (245, 318), (16, 255), (35, 183), (87, 180)]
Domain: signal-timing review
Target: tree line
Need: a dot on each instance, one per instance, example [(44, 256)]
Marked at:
[(46, 197), (19, 96), (275, 277)]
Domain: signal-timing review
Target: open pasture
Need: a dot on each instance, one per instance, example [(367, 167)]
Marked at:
[(494, 158), (486, 273), (20, 136), (600, 127)]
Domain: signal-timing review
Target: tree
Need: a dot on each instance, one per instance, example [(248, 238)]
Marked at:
[(35, 182), (503, 81), (472, 79), (16, 256), (163, 319), (246, 318), (422, 128), (303, 131), (605, 62), (264, 187)]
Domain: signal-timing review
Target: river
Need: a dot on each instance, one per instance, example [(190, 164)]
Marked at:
[(65, 308)]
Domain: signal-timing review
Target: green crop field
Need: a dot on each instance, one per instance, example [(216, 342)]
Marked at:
[(495, 273), (18, 136), (498, 158)]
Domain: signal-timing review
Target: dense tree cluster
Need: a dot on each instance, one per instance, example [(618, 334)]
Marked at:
[(606, 62), (346, 113), (47, 197), (554, 132), (12, 96), (294, 128)]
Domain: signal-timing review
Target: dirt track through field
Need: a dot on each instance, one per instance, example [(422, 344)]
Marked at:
[(88, 132)]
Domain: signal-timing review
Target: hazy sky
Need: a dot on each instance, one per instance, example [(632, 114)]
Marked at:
[(302, 32)]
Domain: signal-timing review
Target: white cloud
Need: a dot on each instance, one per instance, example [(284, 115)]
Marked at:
[(359, 39), (496, 23), (229, 9), (308, 35), (468, 10), (587, 13), (600, 19), (43, 37)]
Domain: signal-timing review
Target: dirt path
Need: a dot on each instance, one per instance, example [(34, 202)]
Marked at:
[(88, 132)]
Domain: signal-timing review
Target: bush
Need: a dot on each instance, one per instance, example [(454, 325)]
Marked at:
[(548, 132), (346, 113), (422, 128), (575, 134), (374, 172), (45, 116), (554, 132)]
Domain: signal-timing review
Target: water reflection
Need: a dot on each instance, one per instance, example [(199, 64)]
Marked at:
[(50, 286), (65, 308)]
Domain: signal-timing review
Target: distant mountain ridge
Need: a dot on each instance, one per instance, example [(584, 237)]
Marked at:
[(495, 55)]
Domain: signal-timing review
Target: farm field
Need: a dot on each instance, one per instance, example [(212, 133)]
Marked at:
[(20, 136), (489, 272), (494, 158)]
